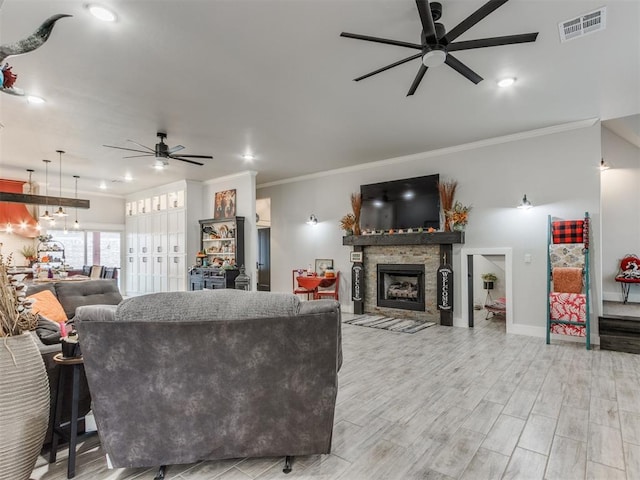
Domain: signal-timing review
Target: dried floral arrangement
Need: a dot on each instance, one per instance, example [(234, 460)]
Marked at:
[(347, 222), (15, 308), (459, 214), (447, 192)]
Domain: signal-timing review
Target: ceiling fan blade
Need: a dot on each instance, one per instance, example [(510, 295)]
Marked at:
[(395, 64), (123, 148), (492, 42), (417, 80), (462, 69), (136, 156), (175, 149), (188, 161), (428, 27), (381, 40), (194, 156), (471, 20), (143, 146)]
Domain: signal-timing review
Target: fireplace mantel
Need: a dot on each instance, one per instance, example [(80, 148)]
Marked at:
[(423, 238)]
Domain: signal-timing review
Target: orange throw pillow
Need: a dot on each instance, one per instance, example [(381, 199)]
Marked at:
[(46, 304)]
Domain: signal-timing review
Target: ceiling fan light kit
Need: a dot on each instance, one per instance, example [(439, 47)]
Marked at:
[(160, 163), (437, 44), (434, 57)]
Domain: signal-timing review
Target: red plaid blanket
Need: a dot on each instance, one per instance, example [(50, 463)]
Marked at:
[(568, 231)]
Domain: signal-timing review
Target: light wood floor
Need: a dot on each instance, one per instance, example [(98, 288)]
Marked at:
[(452, 403)]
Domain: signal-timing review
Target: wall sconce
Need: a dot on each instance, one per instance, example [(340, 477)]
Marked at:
[(313, 220), (604, 165), (525, 204)]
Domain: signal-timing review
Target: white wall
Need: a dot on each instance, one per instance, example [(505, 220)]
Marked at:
[(557, 168), (245, 185), (620, 212)]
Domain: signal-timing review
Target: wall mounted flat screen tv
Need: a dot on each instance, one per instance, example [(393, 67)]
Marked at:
[(408, 203)]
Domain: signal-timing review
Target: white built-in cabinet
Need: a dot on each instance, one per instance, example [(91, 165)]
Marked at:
[(162, 233)]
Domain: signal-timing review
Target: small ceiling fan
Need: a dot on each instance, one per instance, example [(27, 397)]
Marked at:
[(436, 44), (162, 152)]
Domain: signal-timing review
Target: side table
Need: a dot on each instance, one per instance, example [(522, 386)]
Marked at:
[(68, 366)]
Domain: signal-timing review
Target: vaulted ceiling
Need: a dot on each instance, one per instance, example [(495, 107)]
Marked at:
[(274, 78)]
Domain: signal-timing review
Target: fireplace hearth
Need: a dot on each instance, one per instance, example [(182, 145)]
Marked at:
[(401, 286)]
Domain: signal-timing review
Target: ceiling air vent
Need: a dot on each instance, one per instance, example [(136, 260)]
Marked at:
[(583, 25)]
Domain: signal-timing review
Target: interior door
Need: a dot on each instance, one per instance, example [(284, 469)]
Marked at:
[(264, 259)]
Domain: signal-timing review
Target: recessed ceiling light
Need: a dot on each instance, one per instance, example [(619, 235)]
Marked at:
[(35, 100), (128, 177), (249, 156), (506, 82), (101, 13), (103, 186)]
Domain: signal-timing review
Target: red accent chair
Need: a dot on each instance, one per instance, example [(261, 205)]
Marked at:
[(629, 274), (297, 289), (331, 292)]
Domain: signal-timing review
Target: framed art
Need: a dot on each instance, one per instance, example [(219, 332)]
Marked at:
[(322, 264), (356, 257), (224, 205)]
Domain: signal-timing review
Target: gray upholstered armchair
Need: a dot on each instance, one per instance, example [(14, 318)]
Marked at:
[(181, 377)]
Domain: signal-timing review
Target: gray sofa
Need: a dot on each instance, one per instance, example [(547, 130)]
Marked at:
[(71, 295), (181, 377)]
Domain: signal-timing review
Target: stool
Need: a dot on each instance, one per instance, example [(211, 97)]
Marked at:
[(75, 364)]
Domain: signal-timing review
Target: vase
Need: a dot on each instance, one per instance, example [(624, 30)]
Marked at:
[(458, 227), (445, 221), (24, 406)]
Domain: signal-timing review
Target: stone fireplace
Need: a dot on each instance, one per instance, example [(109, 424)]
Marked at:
[(424, 252), (422, 257), (401, 286)]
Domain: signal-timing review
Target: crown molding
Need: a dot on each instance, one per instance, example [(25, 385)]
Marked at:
[(442, 151)]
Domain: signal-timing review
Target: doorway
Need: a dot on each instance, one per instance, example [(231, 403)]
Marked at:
[(476, 294), (264, 260), (263, 223)]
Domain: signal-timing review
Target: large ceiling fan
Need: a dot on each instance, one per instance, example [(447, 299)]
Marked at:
[(162, 152), (437, 44)]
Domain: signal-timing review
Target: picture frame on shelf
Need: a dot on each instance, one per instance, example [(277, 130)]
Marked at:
[(355, 257), (322, 264)]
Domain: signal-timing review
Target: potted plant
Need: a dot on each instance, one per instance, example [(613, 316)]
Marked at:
[(488, 279), (24, 416), (29, 253)]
